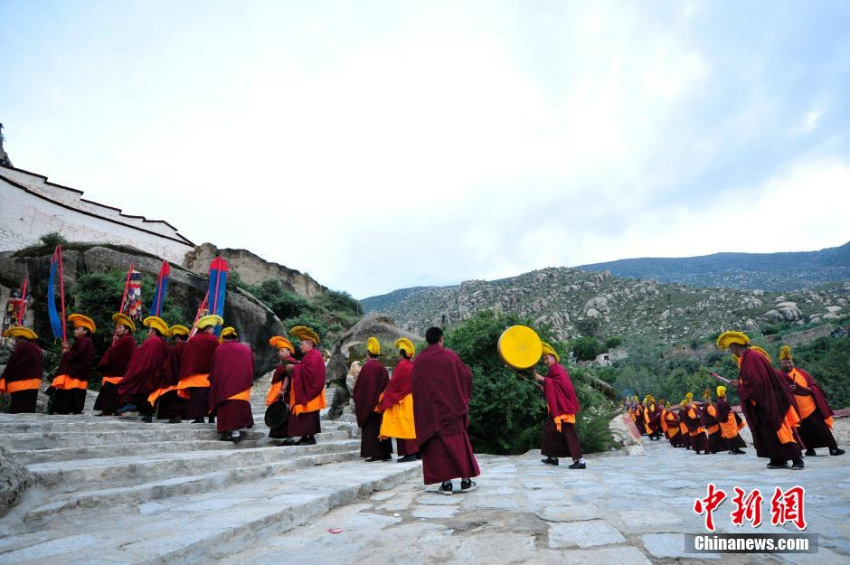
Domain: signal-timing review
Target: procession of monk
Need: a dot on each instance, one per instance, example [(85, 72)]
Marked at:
[(424, 405), (786, 410)]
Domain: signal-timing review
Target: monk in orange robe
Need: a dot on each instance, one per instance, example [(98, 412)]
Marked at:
[(22, 376), (231, 380), (767, 403), (72, 377), (730, 424), (307, 391), (114, 363), (814, 411), (195, 369)]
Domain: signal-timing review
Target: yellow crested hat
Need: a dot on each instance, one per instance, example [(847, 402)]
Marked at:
[(406, 345), (279, 342), (229, 331), (706, 393), (373, 346), (211, 320), (549, 350), (303, 332), (124, 320), (649, 398), (689, 396), (762, 351), (785, 353), (728, 338), (177, 329), (156, 323), (80, 321), (20, 331), (721, 390)]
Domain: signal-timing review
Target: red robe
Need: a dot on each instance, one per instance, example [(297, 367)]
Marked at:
[(144, 372), (371, 382), (559, 437), (171, 371), (112, 367), (77, 362), (767, 402), (400, 385), (232, 374), (198, 354), (442, 388), (306, 385), (815, 428)]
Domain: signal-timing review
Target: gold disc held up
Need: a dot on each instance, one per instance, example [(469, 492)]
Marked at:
[(520, 347)]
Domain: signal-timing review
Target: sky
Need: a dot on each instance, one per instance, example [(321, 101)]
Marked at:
[(379, 145)]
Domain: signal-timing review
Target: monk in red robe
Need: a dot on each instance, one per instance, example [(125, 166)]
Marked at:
[(767, 403), (651, 417), (397, 405), (692, 420), (674, 433), (559, 431), (231, 379), (114, 363), (730, 424), (22, 376), (442, 388), (371, 383), (194, 384), (144, 371), (281, 380), (72, 377), (307, 392), (168, 404), (709, 421), (639, 420), (814, 410), (684, 434)]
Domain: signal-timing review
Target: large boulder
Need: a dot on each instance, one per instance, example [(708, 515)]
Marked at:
[(15, 479)]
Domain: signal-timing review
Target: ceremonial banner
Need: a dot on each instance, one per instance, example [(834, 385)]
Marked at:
[(57, 322), (218, 288), (161, 289)]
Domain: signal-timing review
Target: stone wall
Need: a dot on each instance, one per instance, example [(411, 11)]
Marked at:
[(253, 269), (33, 207)]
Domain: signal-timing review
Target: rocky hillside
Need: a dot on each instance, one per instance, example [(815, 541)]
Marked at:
[(567, 299), (747, 271)]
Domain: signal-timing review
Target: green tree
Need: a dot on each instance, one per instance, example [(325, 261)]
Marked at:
[(586, 348)]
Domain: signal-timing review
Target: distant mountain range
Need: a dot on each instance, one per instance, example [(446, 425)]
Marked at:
[(777, 272), (671, 300)]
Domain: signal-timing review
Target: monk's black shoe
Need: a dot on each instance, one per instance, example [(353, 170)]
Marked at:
[(578, 465), (198, 421), (235, 437), (836, 451), (374, 459), (811, 453), (798, 465), (147, 418), (468, 485), (211, 420), (777, 464), (738, 451), (446, 488), (306, 440), (550, 460), (175, 420), (288, 442), (406, 459)]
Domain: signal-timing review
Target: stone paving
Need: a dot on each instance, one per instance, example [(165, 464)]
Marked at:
[(618, 510)]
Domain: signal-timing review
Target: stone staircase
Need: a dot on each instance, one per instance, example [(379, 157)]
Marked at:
[(116, 490)]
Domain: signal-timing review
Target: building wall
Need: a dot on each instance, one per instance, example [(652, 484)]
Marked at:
[(31, 207)]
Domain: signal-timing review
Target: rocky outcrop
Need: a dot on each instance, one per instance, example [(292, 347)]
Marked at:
[(253, 269), (15, 479)]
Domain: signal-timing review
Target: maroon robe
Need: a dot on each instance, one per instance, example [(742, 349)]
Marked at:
[(765, 400), (77, 363), (170, 404), (279, 375), (25, 363), (400, 386), (715, 440), (114, 364), (699, 441), (197, 360), (442, 387), (560, 399), (143, 373), (371, 382), (232, 373), (308, 381)]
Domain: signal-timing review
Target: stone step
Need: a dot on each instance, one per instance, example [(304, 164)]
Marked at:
[(82, 445), (120, 498), (84, 474), (201, 528)]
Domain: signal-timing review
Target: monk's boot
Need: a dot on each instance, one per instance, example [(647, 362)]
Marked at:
[(467, 485), (211, 419), (738, 451), (579, 464), (550, 460), (836, 451), (798, 465), (235, 436), (446, 488), (777, 464), (811, 452), (306, 440)]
